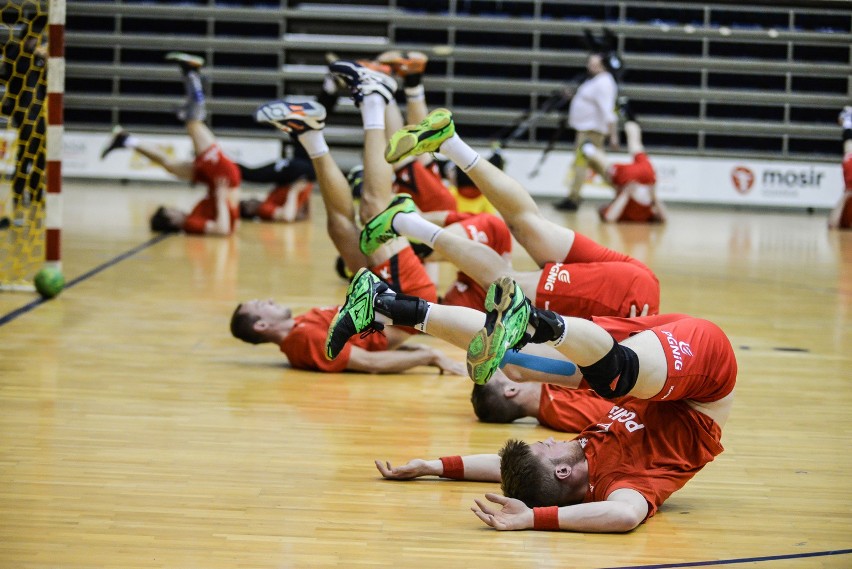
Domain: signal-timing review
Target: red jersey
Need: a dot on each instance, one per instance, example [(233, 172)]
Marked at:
[(596, 281), (425, 186), (304, 346), (278, 197), (486, 229), (213, 168), (640, 171), (570, 410), (206, 210), (633, 211), (405, 273), (655, 446)]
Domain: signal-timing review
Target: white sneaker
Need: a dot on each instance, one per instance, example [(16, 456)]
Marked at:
[(295, 116), (363, 81)]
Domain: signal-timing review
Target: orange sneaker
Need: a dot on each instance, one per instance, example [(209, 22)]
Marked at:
[(404, 63)]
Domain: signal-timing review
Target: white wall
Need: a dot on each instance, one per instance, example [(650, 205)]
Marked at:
[(679, 179)]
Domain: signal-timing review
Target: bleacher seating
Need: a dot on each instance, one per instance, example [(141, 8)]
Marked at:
[(715, 79)]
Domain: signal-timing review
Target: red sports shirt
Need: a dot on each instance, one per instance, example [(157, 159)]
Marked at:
[(305, 345)]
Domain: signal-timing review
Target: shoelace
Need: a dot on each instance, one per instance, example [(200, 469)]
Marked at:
[(372, 329)]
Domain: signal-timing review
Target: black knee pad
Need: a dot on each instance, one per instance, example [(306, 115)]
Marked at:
[(620, 362)]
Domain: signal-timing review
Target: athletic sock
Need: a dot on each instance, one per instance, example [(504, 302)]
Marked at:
[(373, 112), (314, 143), (194, 87), (414, 226), (417, 93), (460, 153)]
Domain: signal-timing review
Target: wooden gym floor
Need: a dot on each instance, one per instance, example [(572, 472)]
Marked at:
[(135, 432)]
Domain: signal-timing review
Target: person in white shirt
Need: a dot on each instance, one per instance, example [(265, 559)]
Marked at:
[(592, 115)]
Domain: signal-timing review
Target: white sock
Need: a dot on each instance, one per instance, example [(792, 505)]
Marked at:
[(373, 112), (417, 93), (414, 226), (588, 149), (460, 153), (847, 123), (422, 325), (131, 141), (314, 143), (329, 84)]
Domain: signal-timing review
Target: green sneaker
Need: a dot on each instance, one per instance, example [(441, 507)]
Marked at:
[(357, 314), (505, 328), (380, 229), (427, 136)]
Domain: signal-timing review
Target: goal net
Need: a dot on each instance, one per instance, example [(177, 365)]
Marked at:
[(24, 35)]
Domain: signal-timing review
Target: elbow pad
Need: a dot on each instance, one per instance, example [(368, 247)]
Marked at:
[(620, 365)]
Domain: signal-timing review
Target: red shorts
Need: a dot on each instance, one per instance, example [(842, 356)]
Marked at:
[(583, 286), (278, 197), (204, 211), (465, 292), (847, 171), (584, 290), (633, 211), (212, 167), (701, 361), (640, 171), (426, 188), (484, 228), (405, 273)]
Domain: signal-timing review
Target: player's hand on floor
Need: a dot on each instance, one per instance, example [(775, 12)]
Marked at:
[(445, 364), (513, 515), (414, 469)]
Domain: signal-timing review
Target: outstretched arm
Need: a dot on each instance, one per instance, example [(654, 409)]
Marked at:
[(222, 224), (622, 511), (475, 467), (616, 207), (396, 361)]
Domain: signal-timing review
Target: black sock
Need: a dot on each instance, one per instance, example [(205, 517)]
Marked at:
[(548, 325), (402, 309)]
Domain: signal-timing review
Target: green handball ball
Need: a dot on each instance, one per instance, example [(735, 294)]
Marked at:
[(49, 282)]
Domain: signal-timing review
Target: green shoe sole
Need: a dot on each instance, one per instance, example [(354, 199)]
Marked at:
[(427, 136), (505, 325)]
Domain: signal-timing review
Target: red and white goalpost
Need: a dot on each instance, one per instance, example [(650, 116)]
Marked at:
[(31, 132), (55, 131)]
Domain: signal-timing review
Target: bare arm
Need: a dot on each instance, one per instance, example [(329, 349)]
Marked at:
[(222, 224), (622, 511), (396, 361), (477, 467), (616, 207)]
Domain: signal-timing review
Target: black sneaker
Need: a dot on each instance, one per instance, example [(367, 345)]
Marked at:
[(625, 111), (566, 204), (119, 137), (357, 315)]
